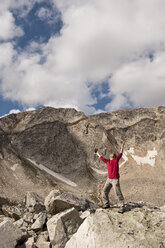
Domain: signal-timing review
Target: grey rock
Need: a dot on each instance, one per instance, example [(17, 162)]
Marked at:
[(163, 208), (24, 236), (30, 243), (85, 214), (58, 201), (3, 217), (44, 236), (32, 233), (34, 202), (49, 201), (42, 240), (39, 223), (43, 244), (140, 227), (14, 212), (61, 226), (28, 217), (9, 234), (19, 223)]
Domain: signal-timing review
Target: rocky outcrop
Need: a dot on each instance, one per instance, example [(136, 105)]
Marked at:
[(141, 226), (35, 227)]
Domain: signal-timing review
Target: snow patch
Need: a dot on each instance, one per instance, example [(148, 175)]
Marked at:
[(54, 174), (148, 159), (124, 156), (99, 171), (30, 109), (14, 111)]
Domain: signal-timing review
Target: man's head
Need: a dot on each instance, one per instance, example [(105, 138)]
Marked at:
[(112, 156)]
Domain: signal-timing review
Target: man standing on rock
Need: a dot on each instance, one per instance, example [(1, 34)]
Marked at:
[(113, 178)]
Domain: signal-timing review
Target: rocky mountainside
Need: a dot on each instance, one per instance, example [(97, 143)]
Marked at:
[(54, 148)]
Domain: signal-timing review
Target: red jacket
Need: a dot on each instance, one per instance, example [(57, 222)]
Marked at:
[(113, 166)]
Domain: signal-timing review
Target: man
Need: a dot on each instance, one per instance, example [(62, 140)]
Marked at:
[(113, 179)]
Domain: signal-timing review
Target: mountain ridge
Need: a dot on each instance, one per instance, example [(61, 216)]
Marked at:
[(64, 140)]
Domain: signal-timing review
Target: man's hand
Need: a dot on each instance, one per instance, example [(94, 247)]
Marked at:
[(98, 155), (122, 148), (96, 152)]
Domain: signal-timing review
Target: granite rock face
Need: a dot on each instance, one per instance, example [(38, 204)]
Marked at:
[(63, 142)]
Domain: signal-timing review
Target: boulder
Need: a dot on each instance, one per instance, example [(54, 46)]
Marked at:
[(39, 223), (163, 208), (19, 223), (14, 212), (30, 243), (25, 235), (85, 214), (32, 233), (28, 218), (58, 201), (34, 202), (3, 217), (139, 227), (62, 226), (9, 234), (50, 201), (43, 244), (42, 241)]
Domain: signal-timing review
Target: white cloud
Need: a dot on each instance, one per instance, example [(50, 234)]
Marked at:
[(8, 29), (99, 39), (140, 82), (21, 5), (7, 53)]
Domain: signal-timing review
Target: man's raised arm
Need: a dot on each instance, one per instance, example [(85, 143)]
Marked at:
[(101, 157), (122, 148)]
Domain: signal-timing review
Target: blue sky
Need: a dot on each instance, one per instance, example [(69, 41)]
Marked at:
[(38, 29), (92, 55)]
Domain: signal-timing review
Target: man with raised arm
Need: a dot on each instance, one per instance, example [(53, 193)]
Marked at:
[(113, 178)]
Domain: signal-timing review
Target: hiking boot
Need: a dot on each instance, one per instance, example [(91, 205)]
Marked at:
[(121, 210), (106, 206)]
